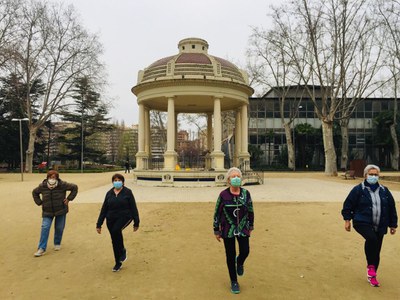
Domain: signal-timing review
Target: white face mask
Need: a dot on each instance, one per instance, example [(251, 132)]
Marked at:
[(52, 181)]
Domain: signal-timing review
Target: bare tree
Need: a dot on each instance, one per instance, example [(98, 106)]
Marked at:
[(8, 25), (159, 119), (54, 47), (269, 65), (332, 47), (389, 12)]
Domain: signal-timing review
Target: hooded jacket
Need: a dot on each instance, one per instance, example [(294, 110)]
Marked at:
[(52, 200)]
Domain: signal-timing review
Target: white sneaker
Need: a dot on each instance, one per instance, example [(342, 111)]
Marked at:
[(57, 247), (40, 252)]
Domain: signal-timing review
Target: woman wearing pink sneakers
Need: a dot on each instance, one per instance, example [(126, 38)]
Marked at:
[(372, 208)]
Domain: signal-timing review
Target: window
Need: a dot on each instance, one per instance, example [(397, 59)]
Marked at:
[(368, 105), (193, 46)]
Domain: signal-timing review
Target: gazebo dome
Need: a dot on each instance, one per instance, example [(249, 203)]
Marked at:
[(193, 62)]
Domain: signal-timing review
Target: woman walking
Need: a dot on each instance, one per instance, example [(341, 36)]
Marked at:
[(233, 220), (119, 208), (51, 195), (372, 208)]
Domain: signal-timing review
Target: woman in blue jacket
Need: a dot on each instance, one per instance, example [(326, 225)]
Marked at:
[(372, 208)]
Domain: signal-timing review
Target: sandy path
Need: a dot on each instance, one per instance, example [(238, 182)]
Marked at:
[(299, 249)]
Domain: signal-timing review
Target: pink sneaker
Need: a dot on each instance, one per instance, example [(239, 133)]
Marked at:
[(373, 281), (371, 272)]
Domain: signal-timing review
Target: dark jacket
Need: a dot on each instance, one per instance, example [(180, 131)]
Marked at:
[(52, 200), (122, 205), (234, 215), (358, 207)]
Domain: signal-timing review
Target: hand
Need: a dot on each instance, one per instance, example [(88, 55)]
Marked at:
[(98, 230), (347, 225), (135, 228), (392, 230), (66, 201), (218, 237)]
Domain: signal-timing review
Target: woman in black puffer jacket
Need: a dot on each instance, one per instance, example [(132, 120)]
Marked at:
[(51, 194)]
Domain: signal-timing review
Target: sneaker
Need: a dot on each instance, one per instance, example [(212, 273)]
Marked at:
[(57, 247), (40, 252), (235, 287), (373, 281), (117, 267), (124, 256), (371, 272), (239, 269)]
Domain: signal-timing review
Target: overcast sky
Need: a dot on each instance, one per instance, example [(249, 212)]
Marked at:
[(135, 33)]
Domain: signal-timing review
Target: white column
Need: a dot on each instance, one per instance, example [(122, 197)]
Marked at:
[(217, 125), (141, 132), (147, 130), (217, 155), (208, 164), (171, 125), (141, 155), (244, 156), (238, 138), (170, 155)]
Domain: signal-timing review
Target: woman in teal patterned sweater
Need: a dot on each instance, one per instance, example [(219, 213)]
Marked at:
[(234, 220)]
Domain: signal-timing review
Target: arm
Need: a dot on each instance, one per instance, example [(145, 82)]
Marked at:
[(251, 211), (349, 206), (134, 211), (73, 188), (102, 214), (392, 213), (36, 196), (217, 221)]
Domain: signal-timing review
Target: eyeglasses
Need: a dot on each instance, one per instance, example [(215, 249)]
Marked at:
[(376, 175)]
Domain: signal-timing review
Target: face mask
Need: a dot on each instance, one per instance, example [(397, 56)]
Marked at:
[(372, 179), (52, 181), (236, 181), (117, 184)]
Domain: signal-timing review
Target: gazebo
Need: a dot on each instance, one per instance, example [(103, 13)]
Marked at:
[(192, 81)]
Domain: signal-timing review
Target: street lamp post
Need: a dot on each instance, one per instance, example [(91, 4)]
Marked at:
[(20, 144)]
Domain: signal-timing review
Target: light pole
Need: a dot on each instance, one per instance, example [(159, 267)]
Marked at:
[(20, 143)]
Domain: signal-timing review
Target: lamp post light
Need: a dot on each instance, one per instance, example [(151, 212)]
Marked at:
[(20, 143)]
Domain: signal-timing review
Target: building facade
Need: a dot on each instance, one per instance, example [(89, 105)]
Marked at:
[(267, 135)]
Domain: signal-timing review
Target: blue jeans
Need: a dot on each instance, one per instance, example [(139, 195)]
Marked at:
[(59, 225)]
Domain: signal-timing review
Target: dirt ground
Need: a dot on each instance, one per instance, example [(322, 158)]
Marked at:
[(299, 249)]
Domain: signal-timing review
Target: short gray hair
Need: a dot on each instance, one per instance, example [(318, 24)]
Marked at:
[(231, 170), (369, 167)]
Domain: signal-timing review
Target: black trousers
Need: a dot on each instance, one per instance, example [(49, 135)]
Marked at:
[(373, 243), (230, 251), (115, 227)]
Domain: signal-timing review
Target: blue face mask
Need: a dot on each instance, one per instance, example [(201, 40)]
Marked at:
[(117, 184), (236, 181), (372, 179)]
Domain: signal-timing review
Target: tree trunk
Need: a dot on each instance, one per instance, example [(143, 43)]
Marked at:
[(395, 154), (344, 157), (31, 149), (290, 146), (329, 148)]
